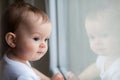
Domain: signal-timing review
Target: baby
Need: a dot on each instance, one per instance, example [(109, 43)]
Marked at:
[(25, 34), (102, 27)]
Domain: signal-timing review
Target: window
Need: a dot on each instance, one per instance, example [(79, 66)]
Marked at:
[(69, 45), (69, 40)]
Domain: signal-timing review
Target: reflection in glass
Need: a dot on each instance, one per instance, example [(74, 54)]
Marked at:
[(102, 25)]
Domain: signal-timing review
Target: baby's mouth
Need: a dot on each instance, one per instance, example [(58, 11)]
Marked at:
[(100, 49), (40, 52)]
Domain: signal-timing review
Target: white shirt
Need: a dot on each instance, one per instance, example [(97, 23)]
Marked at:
[(112, 73), (14, 70)]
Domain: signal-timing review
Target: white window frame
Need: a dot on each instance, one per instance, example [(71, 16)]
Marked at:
[(56, 49)]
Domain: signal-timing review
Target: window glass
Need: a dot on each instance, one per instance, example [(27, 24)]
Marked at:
[(87, 32), (73, 41)]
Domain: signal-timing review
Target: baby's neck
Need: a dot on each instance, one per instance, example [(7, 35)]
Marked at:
[(12, 56)]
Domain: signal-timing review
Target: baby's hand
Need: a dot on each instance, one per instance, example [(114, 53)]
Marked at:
[(57, 76), (72, 76)]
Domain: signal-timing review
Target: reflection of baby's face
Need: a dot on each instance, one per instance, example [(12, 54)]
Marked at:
[(103, 39)]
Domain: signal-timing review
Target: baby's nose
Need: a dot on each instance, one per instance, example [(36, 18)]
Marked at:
[(42, 45), (98, 41)]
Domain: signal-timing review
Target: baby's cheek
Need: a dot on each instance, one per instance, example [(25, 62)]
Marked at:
[(31, 48), (27, 48), (46, 48), (91, 46)]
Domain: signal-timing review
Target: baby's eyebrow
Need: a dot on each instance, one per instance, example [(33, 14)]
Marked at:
[(47, 37), (42, 35)]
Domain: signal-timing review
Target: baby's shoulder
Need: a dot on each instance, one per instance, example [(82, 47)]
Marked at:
[(27, 77)]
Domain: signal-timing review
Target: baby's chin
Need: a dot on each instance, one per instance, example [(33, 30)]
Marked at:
[(100, 53), (35, 59), (104, 54)]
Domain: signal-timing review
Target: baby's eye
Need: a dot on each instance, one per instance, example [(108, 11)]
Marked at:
[(46, 40), (104, 35), (36, 38), (91, 37)]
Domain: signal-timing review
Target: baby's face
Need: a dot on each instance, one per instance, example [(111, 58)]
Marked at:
[(32, 39), (103, 38)]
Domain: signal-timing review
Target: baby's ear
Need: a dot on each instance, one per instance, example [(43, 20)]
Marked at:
[(10, 39)]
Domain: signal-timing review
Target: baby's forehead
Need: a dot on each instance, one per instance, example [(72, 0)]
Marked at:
[(33, 20), (30, 17), (110, 13), (107, 15)]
